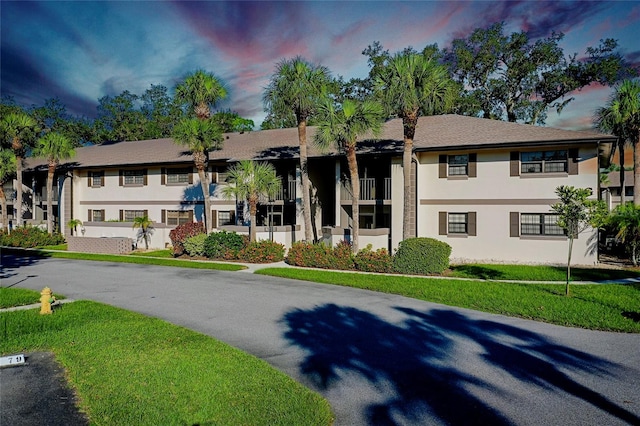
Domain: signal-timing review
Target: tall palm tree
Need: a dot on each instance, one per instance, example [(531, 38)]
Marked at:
[(411, 85), (20, 128), (341, 126), (201, 90), (250, 181), (53, 147), (200, 136), (298, 86), (145, 225), (7, 171), (621, 116)]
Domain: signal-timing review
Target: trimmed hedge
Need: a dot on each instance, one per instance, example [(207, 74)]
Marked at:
[(421, 256), (264, 251), (368, 260), (29, 237), (224, 245), (194, 246)]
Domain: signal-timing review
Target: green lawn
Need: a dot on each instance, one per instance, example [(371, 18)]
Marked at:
[(538, 273), (610, 307), (130, 369)]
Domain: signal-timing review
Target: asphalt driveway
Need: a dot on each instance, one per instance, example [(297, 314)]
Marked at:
[(379, 359)]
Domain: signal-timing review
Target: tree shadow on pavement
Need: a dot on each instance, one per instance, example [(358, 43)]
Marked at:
[(13, 259), (416, 359)]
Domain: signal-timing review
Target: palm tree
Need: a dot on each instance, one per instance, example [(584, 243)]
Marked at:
[(200, 136), (73, 226), (145, 225), (341, 127), (411, 85), (201, 90), (298, 86), (621, 116), (19, 127), (625, 221), (250, 181), (7, 171), (53, 147)]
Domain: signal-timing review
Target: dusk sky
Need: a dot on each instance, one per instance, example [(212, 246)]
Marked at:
[(80, 51)]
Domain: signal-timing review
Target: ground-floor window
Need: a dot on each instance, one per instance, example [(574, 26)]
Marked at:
[(178, 217), (130, 215), (540, 224), (457, 223)]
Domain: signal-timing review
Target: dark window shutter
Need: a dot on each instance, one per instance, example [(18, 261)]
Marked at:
[(442, 166), (121, 215), (190, 215), (104, 218), (442, 223), (101, 178), (471, 224), (163, 176), (515, 163), (214, 218), (190, 175), (163, 216), (146, 213), (514, 224), (232, 216), (121, 178), (573, 161), (89, 218), (472, 169), (144, 176), (90, 174)]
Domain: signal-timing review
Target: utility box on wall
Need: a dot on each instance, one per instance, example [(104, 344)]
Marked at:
[(106, 245)]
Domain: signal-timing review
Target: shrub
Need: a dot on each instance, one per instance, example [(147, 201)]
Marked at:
[(180, 234), (310, 255), (373, 261), (194, 246), (342, 256), (264, 251), (224, 245), (421, 256), (29, 237)]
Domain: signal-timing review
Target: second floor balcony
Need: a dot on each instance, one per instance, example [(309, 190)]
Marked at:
[(371, 189)]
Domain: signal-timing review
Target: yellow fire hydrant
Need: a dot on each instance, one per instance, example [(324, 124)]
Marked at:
[(46, 299)]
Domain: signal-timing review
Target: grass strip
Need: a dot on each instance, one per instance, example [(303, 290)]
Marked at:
[(130, 369), (610, 307), (538, 273), (18, 297)]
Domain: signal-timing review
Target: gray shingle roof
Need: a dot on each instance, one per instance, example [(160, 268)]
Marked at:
[(444, 132)]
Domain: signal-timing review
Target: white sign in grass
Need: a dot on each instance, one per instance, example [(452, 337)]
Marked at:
[(11, 360)]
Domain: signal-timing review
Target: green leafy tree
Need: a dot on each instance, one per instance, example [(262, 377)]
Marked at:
[(576, 213), (200, 136), (161, 112), (298, 86), (145, 226), (52, 116), (341, 126), (408, 86), (119, 118), (230, 121), (53, 147), (251, 181), (200, 91), (73, 226), (19, 129), (509, 76), (625, 220), (621, 116), (7, 171)]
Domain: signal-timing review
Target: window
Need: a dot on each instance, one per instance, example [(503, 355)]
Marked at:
[(96, 179), (97, 216), (179, 217), (628, 191), (457, 223), (133, 177), (180, 176), (458, 165), (544, 162), (225, 218), (130, 215), (540, 224)]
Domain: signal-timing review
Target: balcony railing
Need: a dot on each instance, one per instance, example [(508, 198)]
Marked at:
[(287, 192), (368, 190)]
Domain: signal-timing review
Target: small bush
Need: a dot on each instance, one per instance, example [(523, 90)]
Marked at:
[(29, 237), (194, 246), (180, 234), (421, 256), (310, 255), (262, 252), (224, 245), (342, 256), (373, 261)]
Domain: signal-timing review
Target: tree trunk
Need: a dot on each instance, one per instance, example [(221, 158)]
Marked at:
[(17, 205), (636, 172), (253, 208), (569, 265), (409, 123), (621, 156), (3, 206), (304, 174), (355, 190), (204, 183), (50, 174)]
